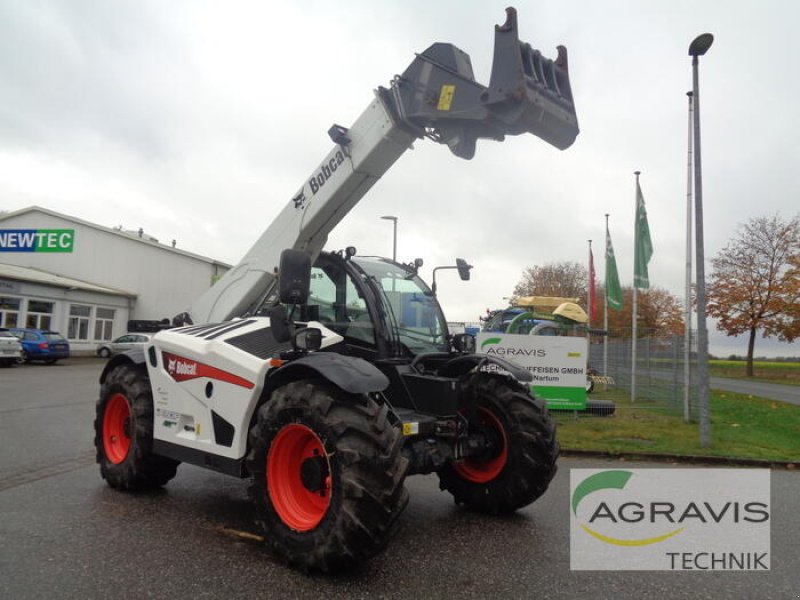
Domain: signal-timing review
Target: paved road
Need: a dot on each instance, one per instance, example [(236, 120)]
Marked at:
[(773, 391), (65, 534)]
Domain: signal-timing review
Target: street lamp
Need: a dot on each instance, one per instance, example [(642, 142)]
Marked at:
[(394, 236), (697, 48)]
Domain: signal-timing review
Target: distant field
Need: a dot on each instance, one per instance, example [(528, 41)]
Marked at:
[(775, 372)]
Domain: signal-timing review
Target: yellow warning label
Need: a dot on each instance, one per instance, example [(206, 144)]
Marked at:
[(446, 97), (574, 354), (410, 428)]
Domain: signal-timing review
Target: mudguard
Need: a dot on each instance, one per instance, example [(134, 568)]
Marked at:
[(353, 375), (135, 356), (486, 363)]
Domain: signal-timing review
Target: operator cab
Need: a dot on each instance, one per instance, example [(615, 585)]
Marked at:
[(381, 308)]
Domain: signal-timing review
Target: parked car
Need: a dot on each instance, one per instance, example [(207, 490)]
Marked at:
[(41, 345), (126, 342), (10, 348)]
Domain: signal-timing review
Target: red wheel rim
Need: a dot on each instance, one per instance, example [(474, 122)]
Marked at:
[(298, 507), (117, 428), (479, 470)]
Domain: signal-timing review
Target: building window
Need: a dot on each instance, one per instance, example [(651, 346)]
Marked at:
[(39, 315), (103, 323), (79, 318), (9, 311)]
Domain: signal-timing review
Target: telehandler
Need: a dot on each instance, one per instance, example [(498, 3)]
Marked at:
[(326, 378)]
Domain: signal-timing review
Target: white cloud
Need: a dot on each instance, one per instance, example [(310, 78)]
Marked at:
[(198, 120)]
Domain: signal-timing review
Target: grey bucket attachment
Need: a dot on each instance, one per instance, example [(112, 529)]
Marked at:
[(529, 92), (438, 95)]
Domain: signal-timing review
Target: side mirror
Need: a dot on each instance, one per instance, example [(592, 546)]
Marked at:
[(463, 269), (308, 339), (281, 327), (464, 343), (294, 277)]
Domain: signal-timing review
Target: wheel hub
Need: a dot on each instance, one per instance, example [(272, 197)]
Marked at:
[(298, 477), (314, 473)]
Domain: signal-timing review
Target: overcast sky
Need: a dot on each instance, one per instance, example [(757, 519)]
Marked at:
[(199, 120)]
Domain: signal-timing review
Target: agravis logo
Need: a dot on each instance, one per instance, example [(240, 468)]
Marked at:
[(714, 519), (630, 511)]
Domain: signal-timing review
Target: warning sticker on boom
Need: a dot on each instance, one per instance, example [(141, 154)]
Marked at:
[(446, 97)]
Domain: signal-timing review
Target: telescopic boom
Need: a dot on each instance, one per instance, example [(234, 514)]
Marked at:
[(437, 98)]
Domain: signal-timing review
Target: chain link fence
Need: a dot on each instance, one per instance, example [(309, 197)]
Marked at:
[(659, 377)]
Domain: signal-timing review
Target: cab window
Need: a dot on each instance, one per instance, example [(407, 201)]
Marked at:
[(340, 307)]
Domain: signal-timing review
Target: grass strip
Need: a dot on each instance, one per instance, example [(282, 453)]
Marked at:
[(742, 426)]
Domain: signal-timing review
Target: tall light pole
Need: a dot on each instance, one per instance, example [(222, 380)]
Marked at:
[(394, 236), (698, 48), (687, 314)]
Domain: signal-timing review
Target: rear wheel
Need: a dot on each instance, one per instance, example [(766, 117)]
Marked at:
[(23, 357), (525, 450), (327, 475), (104, 353), (124, 432)]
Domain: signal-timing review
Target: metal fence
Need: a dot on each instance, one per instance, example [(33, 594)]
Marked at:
[(660, 375)]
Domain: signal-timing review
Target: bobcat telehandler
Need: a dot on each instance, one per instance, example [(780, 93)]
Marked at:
[(327, 378)]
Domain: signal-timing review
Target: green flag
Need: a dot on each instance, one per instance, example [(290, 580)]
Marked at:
[(643, 246), (613, 289)]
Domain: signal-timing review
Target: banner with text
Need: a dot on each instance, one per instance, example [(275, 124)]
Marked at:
[(558, 364), (37, 240)]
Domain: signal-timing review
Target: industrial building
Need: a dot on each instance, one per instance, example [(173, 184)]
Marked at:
[(86, 281)]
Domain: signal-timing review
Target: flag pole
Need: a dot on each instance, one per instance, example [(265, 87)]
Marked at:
[(589, 298), (634, 309), (605, 315), (687, 315)]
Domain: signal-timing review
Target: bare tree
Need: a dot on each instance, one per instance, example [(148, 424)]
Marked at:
[(567, 279), (755, 284)]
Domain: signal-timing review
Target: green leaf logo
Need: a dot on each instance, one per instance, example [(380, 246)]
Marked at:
[(494, 340), (616, 480)]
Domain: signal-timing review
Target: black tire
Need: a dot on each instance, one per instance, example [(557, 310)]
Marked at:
[(51, 361), (359, 453), (23, 358), (523, 469), (601, 408), (104, 353), (124, 432)]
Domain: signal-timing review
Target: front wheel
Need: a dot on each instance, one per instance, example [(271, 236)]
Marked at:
[(525, 449), (124, 433), (327, 475)]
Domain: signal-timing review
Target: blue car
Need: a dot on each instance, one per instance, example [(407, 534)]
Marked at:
[(41, 345)]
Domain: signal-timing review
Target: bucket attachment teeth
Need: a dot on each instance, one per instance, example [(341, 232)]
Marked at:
[(527, 93)]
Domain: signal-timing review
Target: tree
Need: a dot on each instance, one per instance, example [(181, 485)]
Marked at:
[(755, 283), (659, 313), (566, 279)]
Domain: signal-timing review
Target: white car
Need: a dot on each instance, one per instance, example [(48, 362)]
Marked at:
[(10, 348), (126, 342)]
